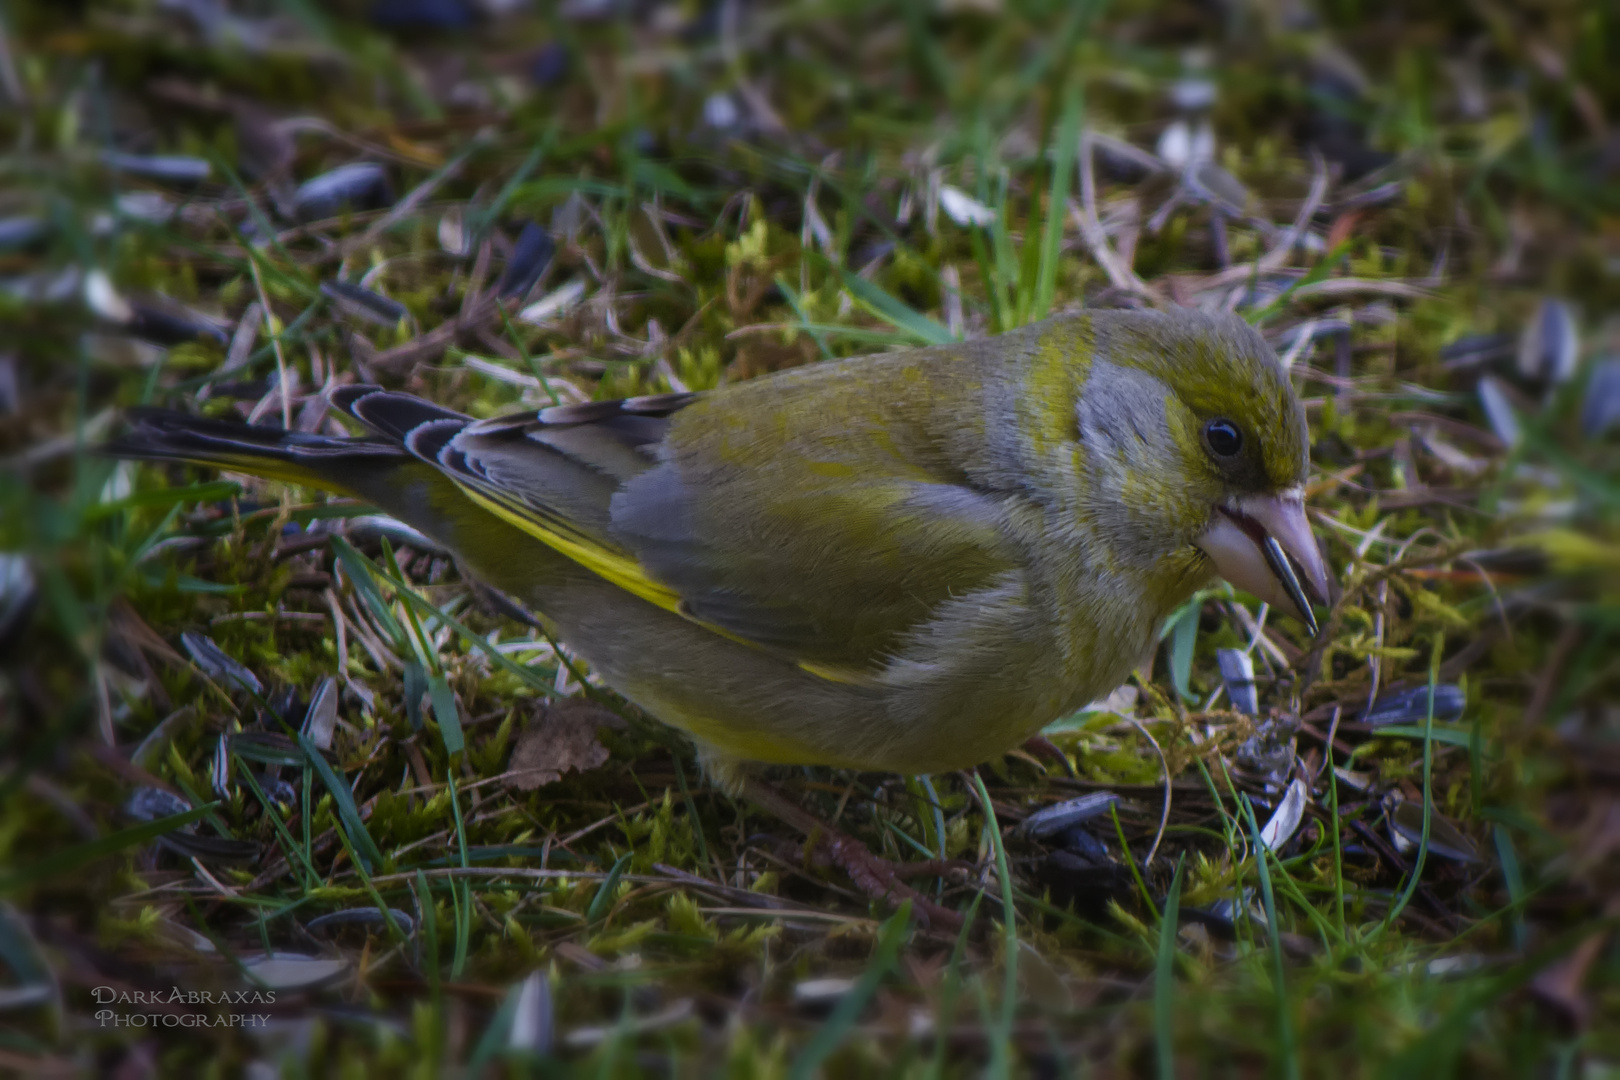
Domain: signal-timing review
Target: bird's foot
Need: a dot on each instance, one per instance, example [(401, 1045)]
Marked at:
[(877, 877), (1042, 747)]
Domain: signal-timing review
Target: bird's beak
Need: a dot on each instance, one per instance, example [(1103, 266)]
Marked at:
[(1263, 545)]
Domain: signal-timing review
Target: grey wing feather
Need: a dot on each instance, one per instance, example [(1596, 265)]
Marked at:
[(565, 462)]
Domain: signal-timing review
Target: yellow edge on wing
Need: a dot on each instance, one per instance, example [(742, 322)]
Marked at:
[(847, 676), (628, 575), (622, 571), (266, 468)]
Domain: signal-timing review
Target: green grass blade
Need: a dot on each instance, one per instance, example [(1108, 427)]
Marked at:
[(1164, 978), (499, 659), (1513, 878), (446, 713), (1416, 876), (429, 922), (817, 334), (602, 902), (83, 854), (1058, 199), (464, 896), (365, 880), (1183, 644), (493, 1040), (1320, 272), (343, 799), (891, 936), (1130, 860), (212, 491), (1286, 1047), (311, 877), (895, 312), (1001, 1042), (361, 573)]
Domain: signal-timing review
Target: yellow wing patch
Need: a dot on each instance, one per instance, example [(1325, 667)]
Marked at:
[(624, 571), (620, 569), (845, 675), (266, 467)]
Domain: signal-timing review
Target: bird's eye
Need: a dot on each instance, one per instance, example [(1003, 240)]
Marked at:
[(1224, 438)]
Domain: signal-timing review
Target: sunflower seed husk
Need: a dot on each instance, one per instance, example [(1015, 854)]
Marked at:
[(534, 1022), (362, 303), (1237, 675), (1601, 410), (217, 666), (530, 256), (360, 186), (1412, 706), (1050, 821), (1550, 343), (169, 168), (1499, 411)]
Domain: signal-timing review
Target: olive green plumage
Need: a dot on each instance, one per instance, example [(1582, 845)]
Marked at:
[(909, 561)]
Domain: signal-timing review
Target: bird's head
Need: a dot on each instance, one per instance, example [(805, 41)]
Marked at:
[(1187, 422)]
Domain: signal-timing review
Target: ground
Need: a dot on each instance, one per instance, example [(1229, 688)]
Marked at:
[(252, 737)]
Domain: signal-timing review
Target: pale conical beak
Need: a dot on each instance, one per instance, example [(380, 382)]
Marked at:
[(1263, 545)]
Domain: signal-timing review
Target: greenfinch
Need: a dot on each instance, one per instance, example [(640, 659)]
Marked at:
[(910, 561)]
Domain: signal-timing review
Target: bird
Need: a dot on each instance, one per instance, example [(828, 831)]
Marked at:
[(911, 561)]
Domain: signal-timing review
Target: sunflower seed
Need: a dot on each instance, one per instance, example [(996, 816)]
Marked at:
[(822, 993), (721, 112), (1237, 675), (530, 256), (210, 849), (292, 971), (362, 303), (21, 232), (1499, 412), (171, 327), (220, 768), (1550, 343), (1445, 839), (396, 532), (553, 303), (1193, 95), (1412, 706), (421, 14), (534, 1022), (321, 719), (171, 168), (453, 236), (150, 804), (157, 740), (217, 666), (1601, 411), (1286, 818), (104, 300), (964, 209), (1050, 821), (365, 916), (360, 186), (152, 207), (1182, 145), (18, 591)]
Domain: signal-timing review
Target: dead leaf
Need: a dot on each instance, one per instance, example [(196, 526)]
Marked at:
[(563, 739)]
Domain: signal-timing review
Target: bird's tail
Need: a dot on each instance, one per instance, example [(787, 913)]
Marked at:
[(346, 466), (377, 469)]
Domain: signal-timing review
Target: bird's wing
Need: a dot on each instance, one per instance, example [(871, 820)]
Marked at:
[(828, 564), (836, 574), (551, 473), (821, 515)]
